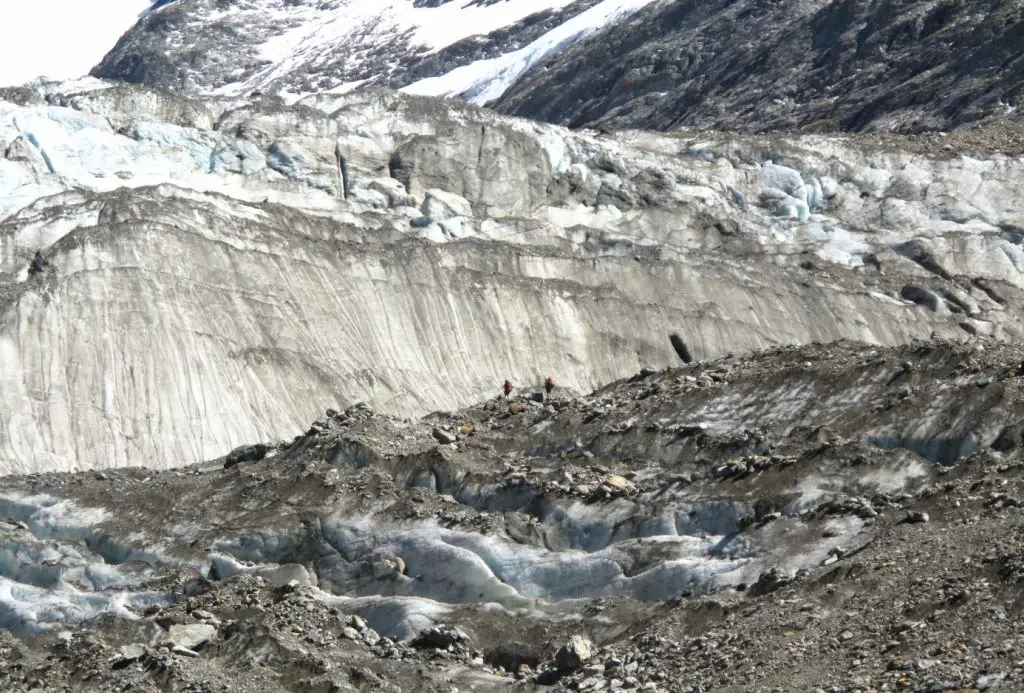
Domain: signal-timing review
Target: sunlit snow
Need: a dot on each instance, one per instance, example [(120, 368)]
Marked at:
[(64, 39), (433, 27), (61, 39), (486, 80), (428, 29)]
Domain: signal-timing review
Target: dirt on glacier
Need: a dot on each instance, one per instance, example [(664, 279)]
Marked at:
[(910, 562)]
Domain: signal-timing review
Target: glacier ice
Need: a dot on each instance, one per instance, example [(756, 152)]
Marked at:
[(215, 284)]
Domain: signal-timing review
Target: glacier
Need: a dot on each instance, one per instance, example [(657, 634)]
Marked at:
[(217, 271)]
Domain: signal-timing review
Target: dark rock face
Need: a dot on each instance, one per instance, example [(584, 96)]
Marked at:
[(144, 62), (903, 65)]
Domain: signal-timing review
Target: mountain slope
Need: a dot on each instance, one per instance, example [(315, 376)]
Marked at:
[(308, 46), (818, 65), (906, 65)]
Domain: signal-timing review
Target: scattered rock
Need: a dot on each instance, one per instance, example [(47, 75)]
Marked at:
[(439, 637), (987, 682), (574, 653), (616, 481), (127, 654), (246, 453), (682, 351), (444, 437), (191, 636), (184, 651), (286, 574), (771, 580)]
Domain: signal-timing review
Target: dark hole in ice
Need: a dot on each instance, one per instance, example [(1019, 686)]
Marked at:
[(681, 349)]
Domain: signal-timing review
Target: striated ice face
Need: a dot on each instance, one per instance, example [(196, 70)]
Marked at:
[(218, 272)]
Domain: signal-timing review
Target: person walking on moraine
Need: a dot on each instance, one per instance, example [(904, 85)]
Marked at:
[(549, 386), (507, 388)]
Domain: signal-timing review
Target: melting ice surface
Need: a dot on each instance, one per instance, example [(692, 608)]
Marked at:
[(49, 577), (59, 566)]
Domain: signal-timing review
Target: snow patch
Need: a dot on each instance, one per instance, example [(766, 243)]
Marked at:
[(369, 24), (486, 80)]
